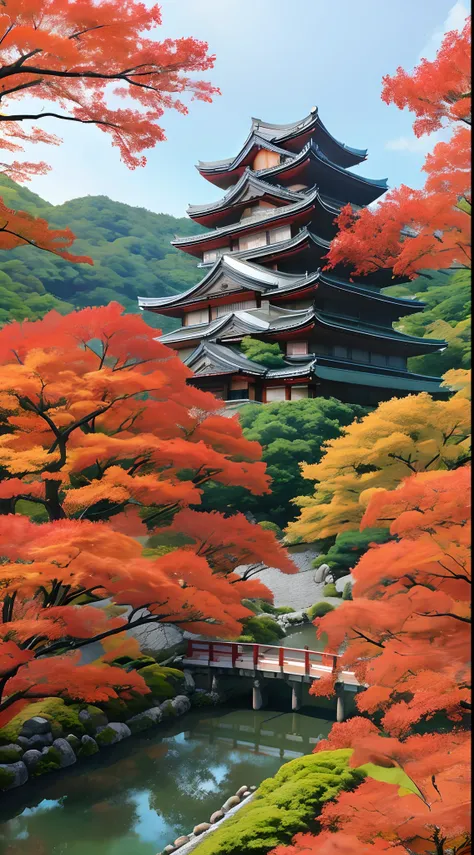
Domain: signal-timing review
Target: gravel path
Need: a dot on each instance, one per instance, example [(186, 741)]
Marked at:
[(298, 591)]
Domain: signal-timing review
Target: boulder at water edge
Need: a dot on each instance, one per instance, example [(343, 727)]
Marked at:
[(67, 754), (111, 733), (180, 841), (31, 758), (201, 828), (13, 775), (145, 720), (40, 740), (88, 746), (216, 816), (181, 704), (230, 803)]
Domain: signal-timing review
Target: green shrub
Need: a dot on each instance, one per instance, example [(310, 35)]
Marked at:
[(330, 590), (348, 547), (261, 630), (267, 525), (284, 805), (284, 610), (252, 605), (263, 352), (319, 610), (347, 592)]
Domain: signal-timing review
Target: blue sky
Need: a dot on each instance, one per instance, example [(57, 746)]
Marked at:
[(275, 60)]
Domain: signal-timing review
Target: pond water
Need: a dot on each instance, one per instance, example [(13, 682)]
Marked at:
[(143, 793), (304, 636)]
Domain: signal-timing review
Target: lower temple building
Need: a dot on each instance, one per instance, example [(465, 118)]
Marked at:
[(262, 258)]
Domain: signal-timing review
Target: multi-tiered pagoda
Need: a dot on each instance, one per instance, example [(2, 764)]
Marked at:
[(262, 257)]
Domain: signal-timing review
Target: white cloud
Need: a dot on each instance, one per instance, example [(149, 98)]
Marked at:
[(455, 21)]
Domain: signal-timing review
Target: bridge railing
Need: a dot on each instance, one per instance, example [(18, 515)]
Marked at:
[(234, 654)]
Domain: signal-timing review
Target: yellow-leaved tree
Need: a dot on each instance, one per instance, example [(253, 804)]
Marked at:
[(400, 437)]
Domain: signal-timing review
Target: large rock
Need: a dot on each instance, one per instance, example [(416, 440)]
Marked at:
[(180, 841), (166, 709), (88, 746), (216, 816), (241, 791), (67, 754), (40, 740), (113, 732), (201, 828), (31, 758), (144, 720), (35, 725), (230, 803), (10, 753), (13, 775), (93, 719), (321, 573), (189, 684), (342, 582), (181, 704)]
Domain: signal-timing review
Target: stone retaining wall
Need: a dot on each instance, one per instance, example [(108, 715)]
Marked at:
[(36, 751)]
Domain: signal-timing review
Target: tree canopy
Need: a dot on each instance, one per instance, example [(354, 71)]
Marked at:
[(412, 230), (288, 435), (406, 636), (400, 437)]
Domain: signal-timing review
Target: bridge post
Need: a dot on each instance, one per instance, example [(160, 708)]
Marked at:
[(296, 692), (340, 712), (258, 700), (215, 684)]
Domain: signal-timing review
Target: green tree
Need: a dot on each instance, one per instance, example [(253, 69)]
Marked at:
[(262, 352), (447, 315), (288, 434), (348, 547)]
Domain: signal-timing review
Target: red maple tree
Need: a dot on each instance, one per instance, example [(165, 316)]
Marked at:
[(406, 637), (101, 438), (53, 579), (77, 61), (411, 230)]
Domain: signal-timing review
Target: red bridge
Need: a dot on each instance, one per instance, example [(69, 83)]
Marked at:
[(263, 661)]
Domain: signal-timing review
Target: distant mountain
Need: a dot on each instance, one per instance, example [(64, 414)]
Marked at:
[(130, 248)]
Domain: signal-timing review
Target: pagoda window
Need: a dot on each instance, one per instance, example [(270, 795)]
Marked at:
[(341, 352), (360, 355), (378, 359), (201, 316), (265, 159), (253, 241), (219, 311), (214, 254), (297, 348), (277, 235), (397, 362), (299, 392), (275, 393)]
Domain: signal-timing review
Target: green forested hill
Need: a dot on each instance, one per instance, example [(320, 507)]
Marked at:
[(130, 248), (447, 296)]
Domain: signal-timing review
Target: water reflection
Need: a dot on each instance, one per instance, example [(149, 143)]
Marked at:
[(146, 792)]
